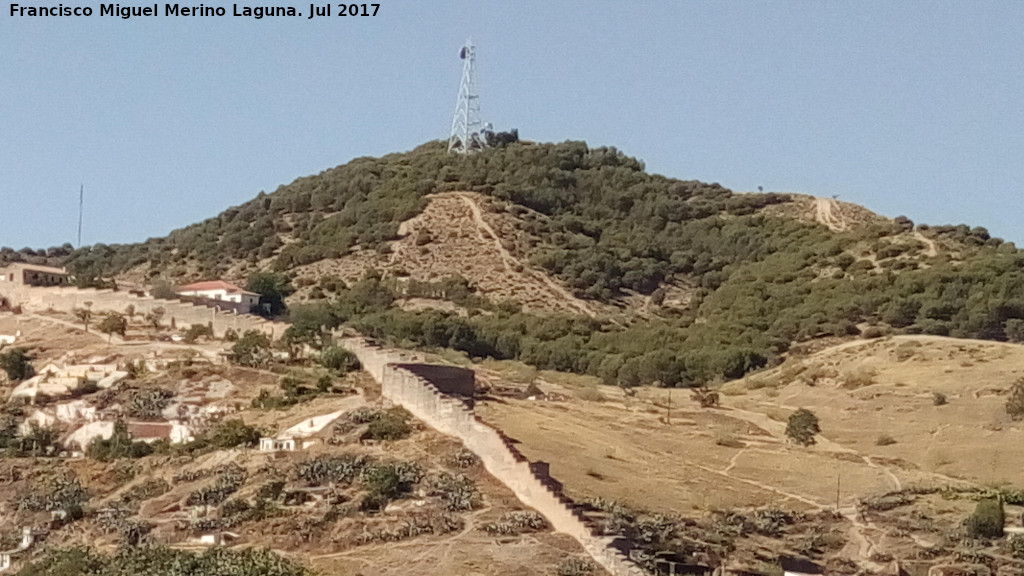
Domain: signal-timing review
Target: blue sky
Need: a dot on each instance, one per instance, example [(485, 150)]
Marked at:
[(910, 107)]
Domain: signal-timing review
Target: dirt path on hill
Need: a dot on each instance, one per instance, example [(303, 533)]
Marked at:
[(931, 251), (826, 211), (487, 233)]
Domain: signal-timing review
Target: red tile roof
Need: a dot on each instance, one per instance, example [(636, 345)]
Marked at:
[(145, 430), (214, 285)]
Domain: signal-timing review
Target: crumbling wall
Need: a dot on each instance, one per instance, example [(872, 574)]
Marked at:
[(184, 314), (497, 453)]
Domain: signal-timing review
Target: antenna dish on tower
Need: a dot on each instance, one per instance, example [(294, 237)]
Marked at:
[(466, 135)]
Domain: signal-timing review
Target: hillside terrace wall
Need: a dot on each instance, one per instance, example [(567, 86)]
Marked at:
[(497, 453), (184, 314)]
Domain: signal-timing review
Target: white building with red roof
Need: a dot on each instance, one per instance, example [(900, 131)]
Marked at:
[(219, 290)]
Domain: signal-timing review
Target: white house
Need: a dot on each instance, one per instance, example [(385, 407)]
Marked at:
[(219, 290), (300, 435), (28, 538), (59, 380), (174, 431), (33, 275)]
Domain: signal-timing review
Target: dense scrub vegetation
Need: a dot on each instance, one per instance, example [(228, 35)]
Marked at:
[(745, 324), (53, 256), (161, 561), (610, 224), (606, 226)]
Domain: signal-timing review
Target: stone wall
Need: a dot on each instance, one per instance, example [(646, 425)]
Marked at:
[(183, 313), (497, 453), (447, 379)]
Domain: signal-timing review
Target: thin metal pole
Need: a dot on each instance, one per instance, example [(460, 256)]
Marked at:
[(669, 407), (81, 203)]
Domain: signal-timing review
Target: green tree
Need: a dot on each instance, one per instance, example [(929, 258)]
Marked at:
[(385, 482), (162, 289), (390, 425), (252, 349), (197, 331), (114, 323), (338, 359), (232, 433), (16, 363), (802, 427), (272, 288)]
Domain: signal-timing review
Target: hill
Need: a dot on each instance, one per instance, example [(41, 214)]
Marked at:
[(575, 258), (581, 290)]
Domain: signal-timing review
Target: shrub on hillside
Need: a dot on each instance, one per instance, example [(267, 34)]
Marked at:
[(885, 440), (574, 567), (161, 561), (62, 492), (147, 403), (338, 359), (16, 363), (872, 332), (457, 492), (252, 350), (232, 433), (197, 331), (987, 520), (1016, 546), (390, 425), (387, 482), (858, 377), (114, 323), (802, 427)]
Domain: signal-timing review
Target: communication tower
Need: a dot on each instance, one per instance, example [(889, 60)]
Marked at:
[(467, 127)]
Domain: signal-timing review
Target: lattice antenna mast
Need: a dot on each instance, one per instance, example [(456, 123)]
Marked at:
[(467, 127)]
